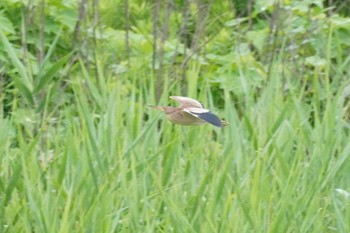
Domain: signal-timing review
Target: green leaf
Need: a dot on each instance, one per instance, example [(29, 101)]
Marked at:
[(5, 24), (258, 38), (22, 83), (235, 22), (316, 61), (45, 78)]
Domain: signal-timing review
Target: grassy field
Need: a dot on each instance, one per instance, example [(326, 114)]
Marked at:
[(99, 166), (89, 155)]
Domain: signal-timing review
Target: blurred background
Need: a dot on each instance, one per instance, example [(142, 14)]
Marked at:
[(80, 151)]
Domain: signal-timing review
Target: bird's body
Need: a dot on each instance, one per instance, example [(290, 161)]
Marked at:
[(179, 116), (190, 112)]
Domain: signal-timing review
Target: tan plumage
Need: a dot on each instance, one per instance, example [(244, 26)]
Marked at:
[(190, 112)]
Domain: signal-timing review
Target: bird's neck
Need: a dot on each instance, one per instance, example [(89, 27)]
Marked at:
[(170, 110)]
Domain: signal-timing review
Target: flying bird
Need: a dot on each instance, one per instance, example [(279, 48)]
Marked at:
[(190, 112)]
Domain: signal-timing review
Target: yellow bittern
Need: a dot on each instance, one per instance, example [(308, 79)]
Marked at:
[(190, 112)]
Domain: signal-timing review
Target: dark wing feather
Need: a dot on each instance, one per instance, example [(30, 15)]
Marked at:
[(206, 115), (210, 118)]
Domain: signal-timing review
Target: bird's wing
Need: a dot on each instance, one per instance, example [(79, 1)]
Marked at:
[(186, 102), (204, 115)]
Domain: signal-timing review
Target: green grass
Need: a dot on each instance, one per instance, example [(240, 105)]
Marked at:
[(81, 151), (99, 166)]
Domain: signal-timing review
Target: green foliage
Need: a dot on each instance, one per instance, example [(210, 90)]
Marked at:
[(80, 151)]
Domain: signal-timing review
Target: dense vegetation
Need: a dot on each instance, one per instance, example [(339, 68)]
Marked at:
[(80, 151)]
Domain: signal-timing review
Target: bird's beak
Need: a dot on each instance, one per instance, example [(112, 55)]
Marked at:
[(160, 108)]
